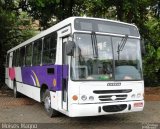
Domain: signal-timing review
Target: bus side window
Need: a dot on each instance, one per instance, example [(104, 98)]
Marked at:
[(17, 57), (7, 61), (28, 55), (53, 47), (14, 58), (22, 56), (37, 49), (49, 49), (46, 48)]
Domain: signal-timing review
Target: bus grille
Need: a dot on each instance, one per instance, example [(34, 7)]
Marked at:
[(114, 108), (112, 97), (112, 91)]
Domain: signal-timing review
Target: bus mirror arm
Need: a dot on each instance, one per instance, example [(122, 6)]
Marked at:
[(70, 47)]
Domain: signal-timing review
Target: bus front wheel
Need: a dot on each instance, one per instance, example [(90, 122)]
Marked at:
[(47, 104)]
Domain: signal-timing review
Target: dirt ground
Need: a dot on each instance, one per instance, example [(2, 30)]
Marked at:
[(26, 110), (152, 94)]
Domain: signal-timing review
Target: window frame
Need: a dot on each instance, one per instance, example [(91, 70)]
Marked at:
[(34, 54), (22, 57), (53, 39), (30, 54)]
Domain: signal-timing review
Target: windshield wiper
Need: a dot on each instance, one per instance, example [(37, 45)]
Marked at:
[(121, 45), (94, 45)]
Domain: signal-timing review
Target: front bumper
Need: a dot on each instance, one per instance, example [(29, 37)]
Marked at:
[(78, 110)]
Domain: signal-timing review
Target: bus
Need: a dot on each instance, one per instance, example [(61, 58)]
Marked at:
[(81, 66)]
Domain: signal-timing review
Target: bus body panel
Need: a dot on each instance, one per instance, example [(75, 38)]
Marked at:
[(134, 89), (79, 110), (125, 96), (6, 77), (30, 91), (54, 99), (18, 74), (97, 89), (10, 81), (43, 75)]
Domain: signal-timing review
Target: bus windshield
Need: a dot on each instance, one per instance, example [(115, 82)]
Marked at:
[(110, 62)]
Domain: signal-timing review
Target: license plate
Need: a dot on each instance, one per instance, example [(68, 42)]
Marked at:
[(140, 104)]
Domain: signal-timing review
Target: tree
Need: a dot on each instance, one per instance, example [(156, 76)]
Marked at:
[(152, 58), (144, 13), (46, 10), (11, 31)]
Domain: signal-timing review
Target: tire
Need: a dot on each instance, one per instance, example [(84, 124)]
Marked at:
[(15, 92), (47, 105)]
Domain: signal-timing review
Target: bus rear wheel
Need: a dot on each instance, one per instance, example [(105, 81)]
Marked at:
[(15, 92), (47, 104)]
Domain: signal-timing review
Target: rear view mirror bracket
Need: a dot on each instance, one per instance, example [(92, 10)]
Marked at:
[(70, 48)]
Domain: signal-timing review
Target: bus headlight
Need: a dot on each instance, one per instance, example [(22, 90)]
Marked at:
[(84, 97), (138, 95), (133, 96), (91, 98)]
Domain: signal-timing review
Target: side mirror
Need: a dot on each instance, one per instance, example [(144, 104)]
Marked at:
[(143, 50), (70, 47)]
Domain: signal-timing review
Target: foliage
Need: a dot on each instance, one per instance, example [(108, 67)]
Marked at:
[(12, 33), (46, 11), (144, 13), (152, 58)]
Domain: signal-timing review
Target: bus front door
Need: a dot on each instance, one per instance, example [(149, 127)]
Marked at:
[(64, 75)]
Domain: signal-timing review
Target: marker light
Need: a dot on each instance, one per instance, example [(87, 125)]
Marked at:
[(138, 95), (75, 97), (84, 97), (91, 98), (133, 96)]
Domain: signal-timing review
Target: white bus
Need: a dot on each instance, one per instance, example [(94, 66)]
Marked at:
[(80, 67)]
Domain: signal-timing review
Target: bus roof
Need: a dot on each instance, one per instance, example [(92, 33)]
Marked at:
[(58, 26)]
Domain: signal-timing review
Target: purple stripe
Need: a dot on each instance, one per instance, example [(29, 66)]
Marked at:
[(44, 77)]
